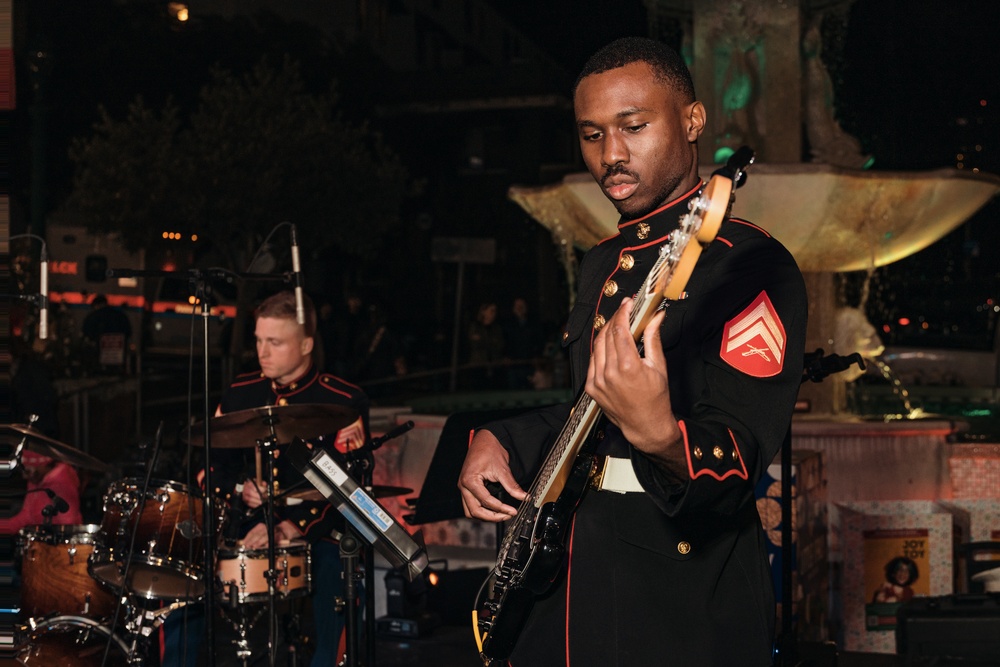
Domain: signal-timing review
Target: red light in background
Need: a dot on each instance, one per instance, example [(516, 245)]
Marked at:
[(904, 321), (886, 328)]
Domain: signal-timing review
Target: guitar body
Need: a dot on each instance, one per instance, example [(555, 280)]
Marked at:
[(542, 566), (533, 552)]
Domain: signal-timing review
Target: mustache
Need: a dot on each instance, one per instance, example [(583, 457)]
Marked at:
[(617, 169)]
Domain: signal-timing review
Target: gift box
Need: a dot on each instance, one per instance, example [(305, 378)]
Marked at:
[(975, 470), (893, 551), (810, 579)]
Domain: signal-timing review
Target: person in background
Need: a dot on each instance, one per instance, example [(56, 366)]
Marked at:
[(52, 495), (287, 376), (486, 348), (108, 329), (523, 341)]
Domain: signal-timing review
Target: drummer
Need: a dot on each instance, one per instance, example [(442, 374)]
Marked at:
[(289, 376), (52, 495)]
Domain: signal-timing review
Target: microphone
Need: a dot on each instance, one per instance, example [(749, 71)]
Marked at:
[(60, 504), (394, 433), (300, 309), (43, 310)]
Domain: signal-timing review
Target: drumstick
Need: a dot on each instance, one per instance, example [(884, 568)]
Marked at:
[(259, 479)]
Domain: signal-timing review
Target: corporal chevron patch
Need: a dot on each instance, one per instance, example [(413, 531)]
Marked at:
[(754, 341)]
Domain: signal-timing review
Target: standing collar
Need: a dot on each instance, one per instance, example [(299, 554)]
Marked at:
[(659, 223), (298, 383)]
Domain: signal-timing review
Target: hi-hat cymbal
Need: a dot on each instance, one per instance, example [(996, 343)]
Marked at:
[(39, 443), (377, 491), (243, 428)]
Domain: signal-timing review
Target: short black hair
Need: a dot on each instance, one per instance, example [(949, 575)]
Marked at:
[(895, 564), (667, 64)]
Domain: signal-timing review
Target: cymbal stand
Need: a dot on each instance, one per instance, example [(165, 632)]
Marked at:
[(123, 594), (266, 447), (242, 625)]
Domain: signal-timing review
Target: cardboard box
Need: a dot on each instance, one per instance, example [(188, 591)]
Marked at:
[(893, 551)]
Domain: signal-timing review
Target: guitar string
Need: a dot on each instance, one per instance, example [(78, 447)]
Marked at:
[(666, 259)]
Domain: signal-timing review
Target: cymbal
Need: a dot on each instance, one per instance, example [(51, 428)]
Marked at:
[(377, 491), (243, 428), (39, 443)]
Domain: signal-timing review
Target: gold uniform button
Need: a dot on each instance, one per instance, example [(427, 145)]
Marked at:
[(642, 231), (302, 523), (736, 455), (684, 548), (627, 262), (718, 453), (697, 453), (599, 322), (565, 336), (282, 401), (294, 385), (610, 288), (314, 511)]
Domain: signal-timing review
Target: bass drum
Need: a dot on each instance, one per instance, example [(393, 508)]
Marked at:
[(54, 578), (71, 641)]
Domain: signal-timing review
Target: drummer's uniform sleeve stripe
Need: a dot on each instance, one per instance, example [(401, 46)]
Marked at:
[(312, 524)]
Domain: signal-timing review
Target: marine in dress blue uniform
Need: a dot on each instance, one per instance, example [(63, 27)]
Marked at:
[(666, 562)]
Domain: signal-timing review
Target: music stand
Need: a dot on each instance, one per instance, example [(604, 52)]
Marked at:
[(367, 519), (440, 499)]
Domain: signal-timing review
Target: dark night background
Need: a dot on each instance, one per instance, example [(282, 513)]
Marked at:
[(916, 82)]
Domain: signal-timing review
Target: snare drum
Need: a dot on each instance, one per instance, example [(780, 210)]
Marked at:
[(54, 578), (167, 559), (71, 641), (242, 571)]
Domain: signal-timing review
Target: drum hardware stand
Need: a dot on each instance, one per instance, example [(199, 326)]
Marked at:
[(816, 368), (241, 626), (120, 591)]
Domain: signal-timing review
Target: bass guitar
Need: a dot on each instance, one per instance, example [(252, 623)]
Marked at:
[(533, 550)]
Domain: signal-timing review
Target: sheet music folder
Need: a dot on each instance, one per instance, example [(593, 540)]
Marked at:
[(365, 514)]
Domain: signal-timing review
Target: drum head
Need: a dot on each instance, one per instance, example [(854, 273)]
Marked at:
[(71, 641)]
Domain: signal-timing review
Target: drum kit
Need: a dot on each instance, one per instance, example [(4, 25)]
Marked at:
[(96, 594)]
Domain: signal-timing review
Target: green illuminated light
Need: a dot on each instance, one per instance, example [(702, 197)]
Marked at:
[(722, 154)]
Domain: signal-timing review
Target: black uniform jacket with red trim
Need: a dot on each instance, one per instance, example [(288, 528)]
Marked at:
[(316, 519), (734, 346)]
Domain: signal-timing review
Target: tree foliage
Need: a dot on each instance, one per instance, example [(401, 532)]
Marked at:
[(257, 151)]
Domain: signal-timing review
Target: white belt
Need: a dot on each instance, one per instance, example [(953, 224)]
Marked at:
[(616, 474)]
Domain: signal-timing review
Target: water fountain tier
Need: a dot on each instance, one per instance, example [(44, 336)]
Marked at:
[(831, 219)]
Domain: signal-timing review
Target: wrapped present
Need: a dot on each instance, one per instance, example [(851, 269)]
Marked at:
[(810, 580), (893, 551)]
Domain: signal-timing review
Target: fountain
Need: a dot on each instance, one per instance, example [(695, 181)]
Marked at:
[(833, 216)]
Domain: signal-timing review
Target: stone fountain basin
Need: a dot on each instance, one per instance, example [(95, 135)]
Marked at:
[(831, 219)]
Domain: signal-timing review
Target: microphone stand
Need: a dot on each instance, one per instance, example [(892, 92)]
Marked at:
[(361, 463), (266, 447), (816, 368)]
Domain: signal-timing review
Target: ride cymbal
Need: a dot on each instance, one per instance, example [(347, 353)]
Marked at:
[(243, 428), (39, 443)]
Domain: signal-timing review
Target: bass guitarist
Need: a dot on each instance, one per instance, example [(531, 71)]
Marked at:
[(665, 561)]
